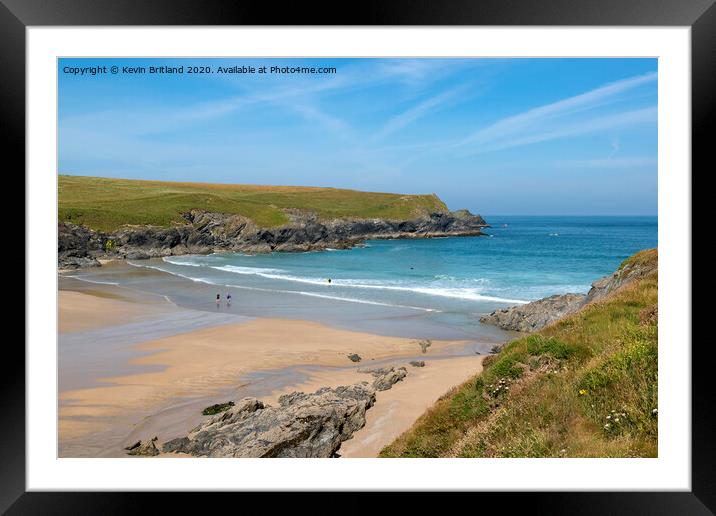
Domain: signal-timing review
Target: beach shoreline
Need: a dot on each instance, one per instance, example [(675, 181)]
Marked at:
[(164, 382)]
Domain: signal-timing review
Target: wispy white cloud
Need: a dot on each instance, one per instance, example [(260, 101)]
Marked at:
[(416, 72), (571, 129), (296, 96), (331, 123), (159, 119), (543, 123), (417, 111)]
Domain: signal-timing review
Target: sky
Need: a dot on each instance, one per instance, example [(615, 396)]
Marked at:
[(496, 136)]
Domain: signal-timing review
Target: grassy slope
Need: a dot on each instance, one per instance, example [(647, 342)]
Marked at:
[(561, 383), (106, 204)]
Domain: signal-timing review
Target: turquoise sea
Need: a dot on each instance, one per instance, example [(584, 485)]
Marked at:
[(423, 288)]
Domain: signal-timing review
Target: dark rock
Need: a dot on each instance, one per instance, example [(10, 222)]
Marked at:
[(175, 445), (468, 218), (354, 357), (205, 232), (417, 363), (303, 425), (77, 240), (76, 262)]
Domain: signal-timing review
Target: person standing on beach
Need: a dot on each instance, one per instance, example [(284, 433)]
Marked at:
[(228, 299), (218, 299)]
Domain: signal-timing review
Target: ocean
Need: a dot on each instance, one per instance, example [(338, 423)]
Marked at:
[(422, 288)]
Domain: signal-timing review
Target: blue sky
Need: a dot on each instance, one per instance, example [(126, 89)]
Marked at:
[(497, 136)]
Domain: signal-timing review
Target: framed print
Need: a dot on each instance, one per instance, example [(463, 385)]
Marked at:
[(421, 253)]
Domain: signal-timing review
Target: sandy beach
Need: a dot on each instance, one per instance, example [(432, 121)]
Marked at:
[(84, 311), (173, 377)]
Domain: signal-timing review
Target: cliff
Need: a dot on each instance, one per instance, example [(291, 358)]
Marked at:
[(543, 312), (105, 218), (206, 232)]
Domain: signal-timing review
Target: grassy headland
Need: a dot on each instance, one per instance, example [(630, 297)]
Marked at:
[(106, 204), (585, 386)]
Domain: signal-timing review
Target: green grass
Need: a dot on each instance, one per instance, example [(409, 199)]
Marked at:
[(217, 408), (585, 386), (108, 204)]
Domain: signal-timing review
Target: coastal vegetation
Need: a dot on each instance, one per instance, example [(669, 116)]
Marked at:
[(217, 408), (105, 204), (585, 386)]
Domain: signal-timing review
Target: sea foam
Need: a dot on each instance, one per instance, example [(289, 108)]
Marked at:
[(470, 294)]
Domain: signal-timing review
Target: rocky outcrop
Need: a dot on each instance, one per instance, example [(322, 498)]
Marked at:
[(77, 262), (143, 449), (538, 314), (385, 377), (205, 232), (375, 371), (77, 246), (302, 425), (386, 381), (640, 265)]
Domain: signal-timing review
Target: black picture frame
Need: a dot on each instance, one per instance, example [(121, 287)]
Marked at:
[(700, 15)]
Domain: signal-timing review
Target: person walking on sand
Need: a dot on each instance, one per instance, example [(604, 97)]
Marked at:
[(228, 299)]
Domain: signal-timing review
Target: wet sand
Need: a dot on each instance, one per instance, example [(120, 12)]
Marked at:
[(85, 311), (161, 384)]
